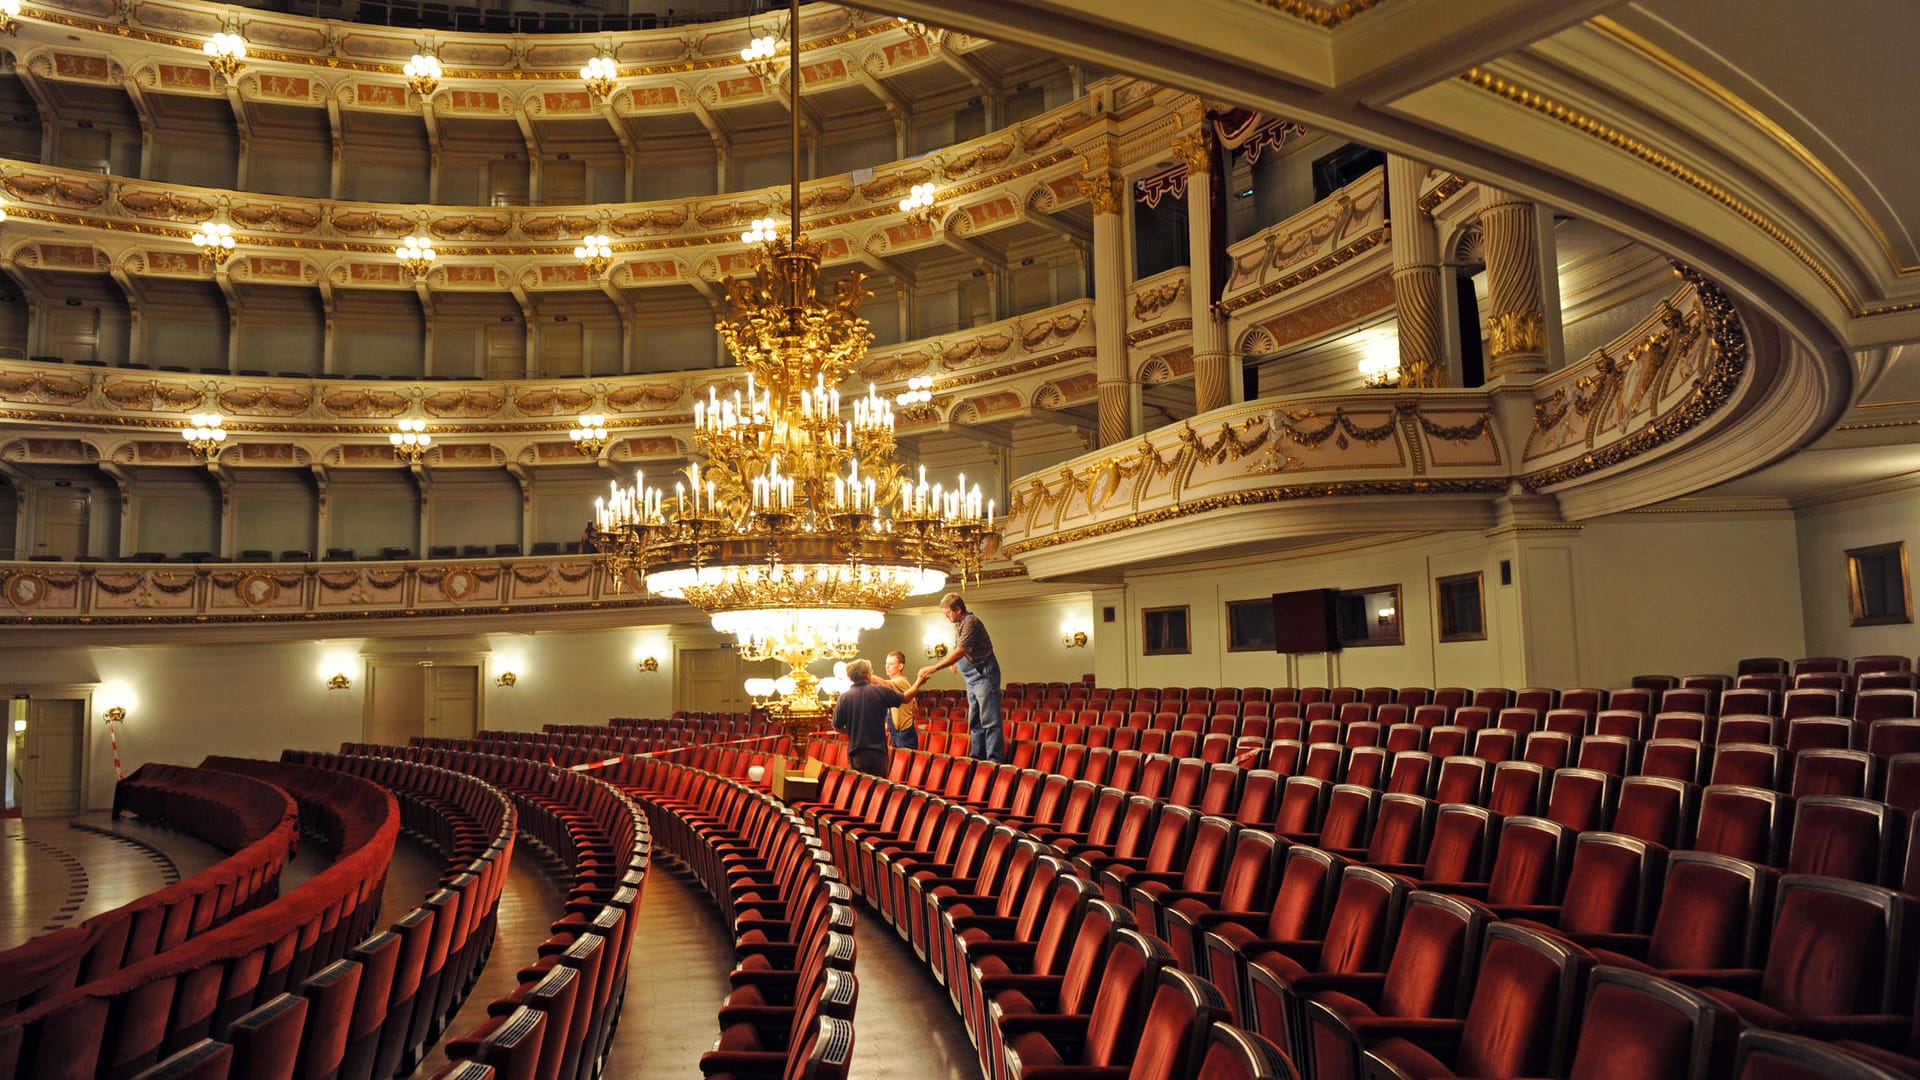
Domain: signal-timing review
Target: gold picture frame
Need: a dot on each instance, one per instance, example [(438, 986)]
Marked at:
[(1460, 606), (1879, 590), (1166, 631), (1371, 616)]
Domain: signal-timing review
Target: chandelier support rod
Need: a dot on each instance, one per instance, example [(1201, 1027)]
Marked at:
[(793, 109)]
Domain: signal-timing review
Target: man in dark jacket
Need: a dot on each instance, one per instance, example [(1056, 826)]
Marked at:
[(863, 712)]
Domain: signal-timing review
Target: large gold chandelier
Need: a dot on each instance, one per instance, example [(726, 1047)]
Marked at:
[(799, 531)]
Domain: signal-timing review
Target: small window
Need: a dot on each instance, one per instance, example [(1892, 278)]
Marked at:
[(1250, 625), (1164, 631), (1370, 616), (1877, 590), (1461, 606)]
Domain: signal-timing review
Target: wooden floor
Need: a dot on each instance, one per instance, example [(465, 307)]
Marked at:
[(56, 873)]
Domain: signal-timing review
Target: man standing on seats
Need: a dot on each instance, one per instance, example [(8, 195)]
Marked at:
[(864, 713), (900, 722), (973, 652)]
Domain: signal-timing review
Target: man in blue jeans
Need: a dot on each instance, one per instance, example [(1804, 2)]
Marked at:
[(972, 653)]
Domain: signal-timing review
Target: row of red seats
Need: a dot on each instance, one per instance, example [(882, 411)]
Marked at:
[(558, 1022), (231, 980), (256, 822), (990, 913), (373, 1013), (1189, 870), (790, 1012)]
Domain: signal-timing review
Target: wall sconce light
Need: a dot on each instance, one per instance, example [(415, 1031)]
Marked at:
[(936, 649), (1074, 639), (507, 678), (339, 681), (19, 726), (646, 663), (116, 715)]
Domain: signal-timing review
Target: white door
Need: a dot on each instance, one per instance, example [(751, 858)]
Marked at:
[(711, 680), (55, 733), (560, 350), (62, 522), (398, 709), (73, 333), (453, 706), (506, 351)]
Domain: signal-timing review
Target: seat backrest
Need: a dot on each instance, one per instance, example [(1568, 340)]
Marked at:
[(1841, 837), (1364, 921), (1712, 913), (1066, 904), (1172, 837), (1087, 959), (1637, 1024), (1735, 728), (1462, 836), (1233, 1054), (1530, 865), (1349, 818), (1411, 773), (1434, 954), (1520, 1022), (1739, 822), (1836, 948), (1462, 780), (1580, 798), (1127, 988), (1747, 701), (1773, 1055), (1676, 758), (1302, 802), (1901, 787), (1516, 788), (1833, 772), (1221, 789), (1248, 880), (1259, 797), (1173, 1037), (1612, 885), (1747, 765), (1656, 809), (1309, 879), (1400, 829)]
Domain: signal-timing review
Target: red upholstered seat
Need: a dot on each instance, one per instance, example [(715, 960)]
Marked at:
[(1772, 1055), (1233, 1054), (1676, 758), (1711, 917), (1610, 890), (1833, 772), (1656, 809), (266, 1041), (1842, 837), (1174, 1035), (1184, 916), (1645, 1027), (1071, 991), (1741, 822), (1411, 773), (1109, 1032), (1200, 872), (1520, 1021), (1517, 788), (1432, 963), (204, 1060), (1749, 764), (1581, 799), (1272, 977), (1302, 901), (1839, 965)]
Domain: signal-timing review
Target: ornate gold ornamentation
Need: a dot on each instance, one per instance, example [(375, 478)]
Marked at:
[(1516, 332), (1151, 302), (1102, 192), (1320, 15), (1195, 148), (1679, 170), (1339, 427), (1727, 337), (1441, 192)]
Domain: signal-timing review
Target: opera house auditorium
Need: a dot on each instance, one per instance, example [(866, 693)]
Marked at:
[(1378, 528)]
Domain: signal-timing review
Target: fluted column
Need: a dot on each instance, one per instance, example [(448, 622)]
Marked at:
[(1213, 366), (1416, 276), (1516, 325), (1102, 190)]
